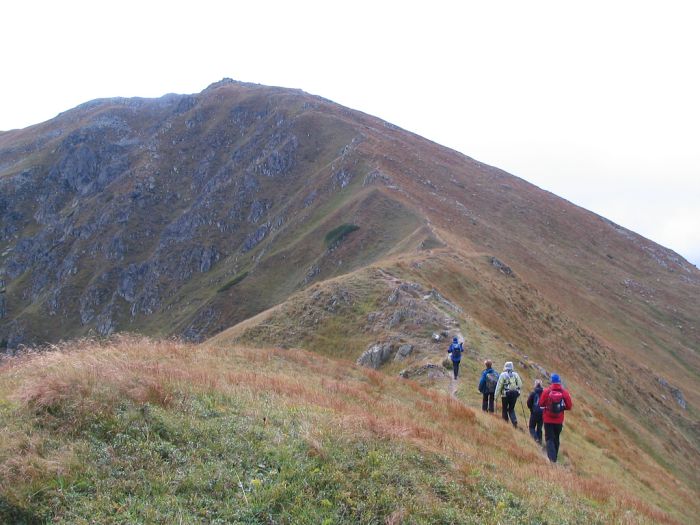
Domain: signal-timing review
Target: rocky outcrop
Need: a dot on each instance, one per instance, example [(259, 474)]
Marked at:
[(675, 392), (403, 352), (376, 355)]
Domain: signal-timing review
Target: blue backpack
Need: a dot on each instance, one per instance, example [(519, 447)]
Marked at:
[(456, 351)]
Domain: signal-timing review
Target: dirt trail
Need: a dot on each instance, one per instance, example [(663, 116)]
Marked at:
[(453, 388)]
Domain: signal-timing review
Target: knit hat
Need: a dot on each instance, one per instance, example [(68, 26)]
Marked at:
[(455, 340), (555, 378), (508, 365)]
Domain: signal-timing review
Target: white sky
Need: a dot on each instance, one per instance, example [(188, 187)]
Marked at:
[(596, 101)]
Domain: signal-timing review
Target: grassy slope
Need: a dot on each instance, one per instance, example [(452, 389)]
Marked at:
[(647, 449), (160, 432)]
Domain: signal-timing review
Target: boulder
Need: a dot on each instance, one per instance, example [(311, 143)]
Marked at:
[(376, 355), (403, 352)]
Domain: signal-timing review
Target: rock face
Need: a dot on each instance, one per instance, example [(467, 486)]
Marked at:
[(110, 209)]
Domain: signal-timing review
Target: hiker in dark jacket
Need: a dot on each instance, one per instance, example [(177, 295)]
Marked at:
[(487, 386), (554, 401), (455, 351), (533, 403)]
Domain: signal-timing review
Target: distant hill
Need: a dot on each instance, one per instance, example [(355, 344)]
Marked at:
[(261, 216)]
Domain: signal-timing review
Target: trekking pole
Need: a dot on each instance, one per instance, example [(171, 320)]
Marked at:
[(523, 408)]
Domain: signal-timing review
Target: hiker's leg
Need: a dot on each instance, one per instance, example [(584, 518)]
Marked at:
[(557, 431), (504, 408), (485, 403), (538, 429), (491, 401), (531, 425), (455, 367), (549, 439), (512, 402)]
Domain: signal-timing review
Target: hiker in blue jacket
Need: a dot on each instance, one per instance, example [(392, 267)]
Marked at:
[(487, 386), (455, 352)]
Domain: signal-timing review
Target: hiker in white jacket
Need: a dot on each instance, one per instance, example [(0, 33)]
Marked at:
[(508, 388)]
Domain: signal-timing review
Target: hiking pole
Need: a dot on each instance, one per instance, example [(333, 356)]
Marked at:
[(523, 408)]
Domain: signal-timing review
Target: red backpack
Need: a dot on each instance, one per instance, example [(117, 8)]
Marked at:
[(555, 402)]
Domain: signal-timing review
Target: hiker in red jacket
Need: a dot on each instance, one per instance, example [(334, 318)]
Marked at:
[(554, 401)]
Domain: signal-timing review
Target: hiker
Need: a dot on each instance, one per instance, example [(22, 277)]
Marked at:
[(554, 401), (455, 351), (508, 387), (533, 403), (487, 386)]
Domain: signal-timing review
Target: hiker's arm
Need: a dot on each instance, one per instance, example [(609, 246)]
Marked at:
[(567, 401), (499, 387), (543, 398), (530, 399)]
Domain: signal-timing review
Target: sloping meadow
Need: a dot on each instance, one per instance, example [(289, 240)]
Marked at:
[(136, 430)]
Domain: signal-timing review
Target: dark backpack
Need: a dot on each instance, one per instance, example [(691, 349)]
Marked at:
[(491, 382), (555, 403), (536, 404)]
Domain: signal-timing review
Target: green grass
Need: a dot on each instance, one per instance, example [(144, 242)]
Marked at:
[(336, 235), (233, 282), (215, 461)]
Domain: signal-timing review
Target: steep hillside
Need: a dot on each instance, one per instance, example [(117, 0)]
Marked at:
[(263, 216), (145, 432)]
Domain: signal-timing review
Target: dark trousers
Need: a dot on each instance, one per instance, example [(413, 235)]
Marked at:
[(536, 426), (508, 407), (551, 436), (455, 368), (487, 403)]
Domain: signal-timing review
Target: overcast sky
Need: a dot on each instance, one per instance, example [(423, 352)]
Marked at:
[(596, 101)]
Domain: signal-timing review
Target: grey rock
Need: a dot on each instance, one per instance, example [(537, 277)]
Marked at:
[(394, 297), (430, 370), (675, 392), (403, 352), (502, 267), (256, 237), (376, 176), (258, 209), (312, 273), (105, 324), (310, 198), (376, 355), (342, 178), (91, 301)]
